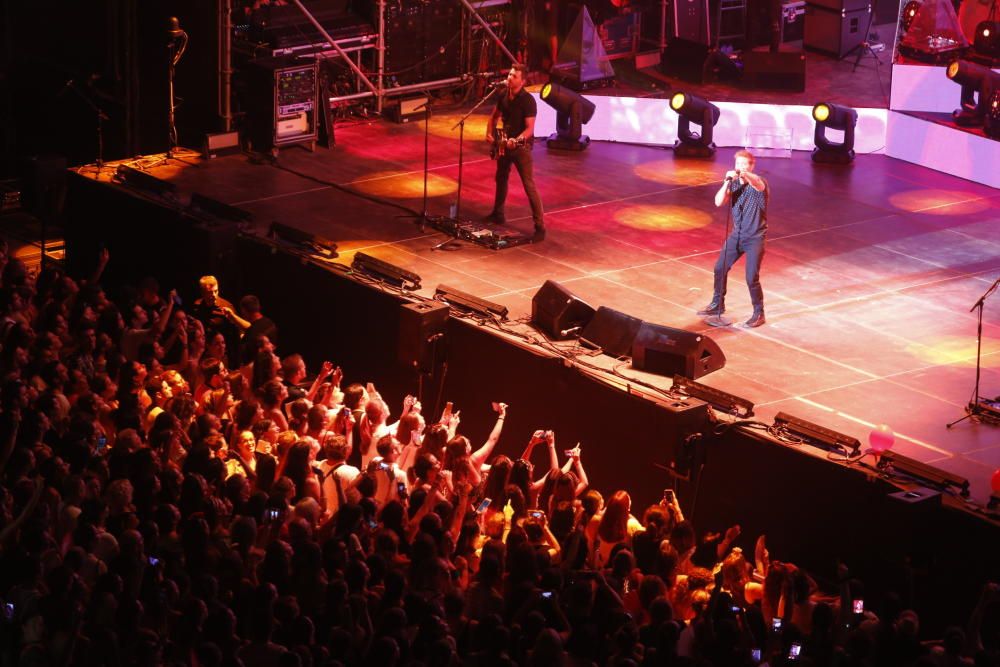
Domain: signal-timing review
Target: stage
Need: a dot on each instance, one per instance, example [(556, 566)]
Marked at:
[(870, 270)]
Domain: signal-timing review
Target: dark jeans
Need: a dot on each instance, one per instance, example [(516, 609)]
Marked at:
[(520, 158), (732, 250)]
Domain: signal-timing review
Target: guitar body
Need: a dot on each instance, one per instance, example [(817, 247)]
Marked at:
[(501, 144)]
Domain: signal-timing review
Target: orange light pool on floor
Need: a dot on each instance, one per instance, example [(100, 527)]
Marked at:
[(670, 172), (404, 185), (444, 126), (957, 351), (665, 218), (939, 202)]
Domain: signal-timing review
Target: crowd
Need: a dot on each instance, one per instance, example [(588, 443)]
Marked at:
[(174, 492)]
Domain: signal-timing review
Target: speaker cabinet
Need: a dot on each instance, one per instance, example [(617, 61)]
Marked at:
[(776, 71), (667, 351), (421, 330), (835, 32), (558, 312), (612, 331)]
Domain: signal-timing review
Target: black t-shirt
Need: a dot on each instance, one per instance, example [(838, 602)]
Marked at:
[(749, 208), (213, 318), (515, 112)]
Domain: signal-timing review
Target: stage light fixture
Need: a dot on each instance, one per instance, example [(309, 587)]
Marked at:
[(573, 111), (470, 302), (987, 39), (910, 11), (317, 244), (718, 399), (693, 109), (894, 463), (977, 83), (141, 180), (384, 271), (991, 122), (216, 210), (834, 117), (816, 435)]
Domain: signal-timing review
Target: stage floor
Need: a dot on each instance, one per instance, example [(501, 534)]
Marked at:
[(870, 270)]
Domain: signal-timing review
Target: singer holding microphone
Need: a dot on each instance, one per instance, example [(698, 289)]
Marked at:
[(746, 193), (517, 108)]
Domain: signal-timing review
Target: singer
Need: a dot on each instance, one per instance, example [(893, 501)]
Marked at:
[(747, 195), (517, 109)]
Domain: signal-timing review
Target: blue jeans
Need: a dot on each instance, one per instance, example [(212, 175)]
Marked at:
[(520, 158), (734, 248)]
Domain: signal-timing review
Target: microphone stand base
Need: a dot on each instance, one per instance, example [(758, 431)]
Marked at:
[(718, 321)]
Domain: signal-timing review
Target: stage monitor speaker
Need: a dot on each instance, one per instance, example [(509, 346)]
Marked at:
[(776, 71), (421, 330), (612, 331), (667, 351), (691, 21), (835, 32), (685, 60), (558, 312)]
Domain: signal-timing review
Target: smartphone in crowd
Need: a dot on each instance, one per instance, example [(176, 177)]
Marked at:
[(496, 406), (776, 624), (547, 595), (273, 514), (401, 491), (537, 515), (483, 506), (755, 654), (668, 496), (102, 442), (152, 560), (793, 651), (859, 606)]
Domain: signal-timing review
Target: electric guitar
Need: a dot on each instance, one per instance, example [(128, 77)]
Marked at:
[(500, 147)]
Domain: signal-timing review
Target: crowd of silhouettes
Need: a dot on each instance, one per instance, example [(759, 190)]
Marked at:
[(179, 490)]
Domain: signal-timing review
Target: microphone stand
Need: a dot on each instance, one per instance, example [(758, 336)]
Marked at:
[(175, 49), (974, 408), (101, 117), (422, 218), (461, 160)]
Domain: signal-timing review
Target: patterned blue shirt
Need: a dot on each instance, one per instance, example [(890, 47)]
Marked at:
[(749, 208)]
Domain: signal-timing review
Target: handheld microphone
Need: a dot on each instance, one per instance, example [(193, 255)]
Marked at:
[(174, 28), (499, 84), (566, 332)]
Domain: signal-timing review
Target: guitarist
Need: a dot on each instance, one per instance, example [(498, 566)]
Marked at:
[(517, 108)]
